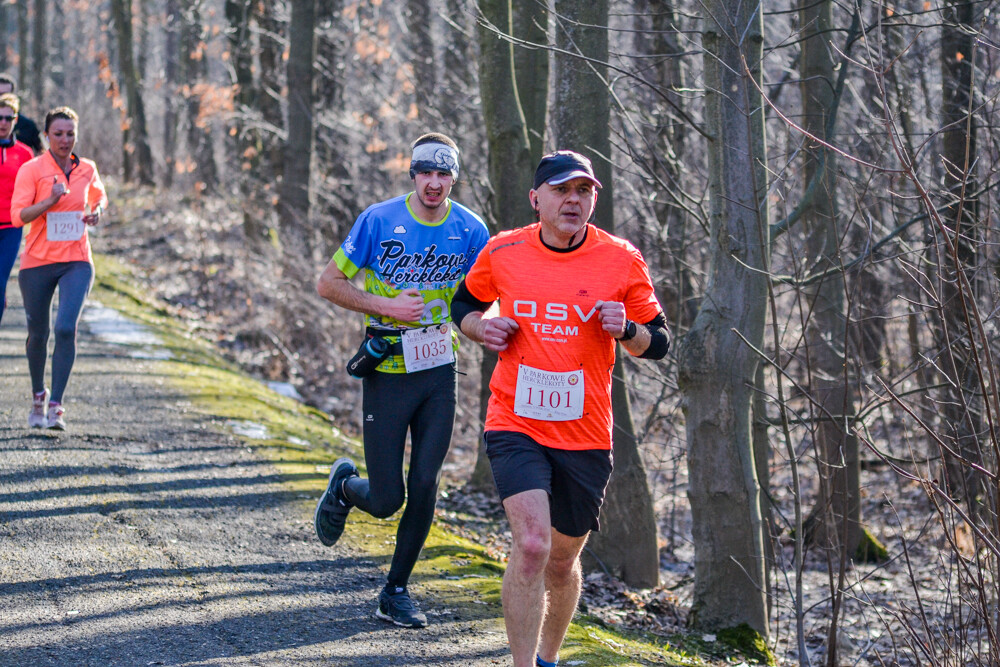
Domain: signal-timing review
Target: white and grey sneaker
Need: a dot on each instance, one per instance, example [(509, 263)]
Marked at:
[(36, 418), (54, 418)]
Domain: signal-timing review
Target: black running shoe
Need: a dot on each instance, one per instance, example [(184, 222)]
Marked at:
[(398, 608), (333, 508)]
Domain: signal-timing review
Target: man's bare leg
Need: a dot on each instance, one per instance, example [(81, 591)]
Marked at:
[(563, 580), (523, 591)]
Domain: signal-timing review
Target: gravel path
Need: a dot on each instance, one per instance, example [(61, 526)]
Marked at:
[(144, 535)]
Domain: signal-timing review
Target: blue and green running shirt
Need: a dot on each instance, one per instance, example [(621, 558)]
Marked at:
[(399, 251)]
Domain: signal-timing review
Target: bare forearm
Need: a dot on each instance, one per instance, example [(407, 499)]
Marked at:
[(638, 343), (31, 213), (472, 326), (342, 293), (334, 286)]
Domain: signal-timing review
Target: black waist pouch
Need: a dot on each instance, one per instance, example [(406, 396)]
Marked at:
[(372, 352)]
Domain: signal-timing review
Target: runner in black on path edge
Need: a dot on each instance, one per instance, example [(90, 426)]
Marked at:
[(414, 250)]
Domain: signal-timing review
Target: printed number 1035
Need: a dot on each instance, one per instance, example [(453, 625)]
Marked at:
[(432, 349)]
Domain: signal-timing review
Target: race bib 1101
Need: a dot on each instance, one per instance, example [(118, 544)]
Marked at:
[(64, 226), (548, 395)]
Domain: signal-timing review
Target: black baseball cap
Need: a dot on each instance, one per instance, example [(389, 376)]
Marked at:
[(561, 166)]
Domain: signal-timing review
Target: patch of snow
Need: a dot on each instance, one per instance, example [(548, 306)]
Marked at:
[(112, 327), (285, 389), (248, 429)]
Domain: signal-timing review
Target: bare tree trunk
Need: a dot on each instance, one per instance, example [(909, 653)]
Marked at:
[(22, 43), (961, 403), (272, 65), (39, 50), (666, 136), (195, 69), (717, 367), (581, 118), (247, 143), (5, 31), (510, 166), (835, 523), (172, 84), (135, 138), (294, 192), (530, 22), (421, 43)]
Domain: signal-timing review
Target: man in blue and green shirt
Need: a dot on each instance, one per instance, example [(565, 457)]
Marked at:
[(414, 251)]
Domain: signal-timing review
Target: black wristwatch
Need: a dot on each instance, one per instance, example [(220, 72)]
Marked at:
[(630, 330)]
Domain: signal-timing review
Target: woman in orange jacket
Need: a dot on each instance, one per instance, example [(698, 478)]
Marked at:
[(13, 154), (60, 195)]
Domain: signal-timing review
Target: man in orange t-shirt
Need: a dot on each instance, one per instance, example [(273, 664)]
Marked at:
[(567, 292)]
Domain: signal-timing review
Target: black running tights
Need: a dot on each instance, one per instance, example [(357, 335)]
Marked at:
[(423, 403)]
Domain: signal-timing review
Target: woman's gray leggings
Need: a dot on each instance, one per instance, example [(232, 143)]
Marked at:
[(38, 285)]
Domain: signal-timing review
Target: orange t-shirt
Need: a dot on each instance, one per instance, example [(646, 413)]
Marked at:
[(552, 295), (34, 183)]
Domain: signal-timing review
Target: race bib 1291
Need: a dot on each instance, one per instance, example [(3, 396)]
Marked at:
[(64, 226)]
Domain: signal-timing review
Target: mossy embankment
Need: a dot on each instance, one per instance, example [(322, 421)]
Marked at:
[(300, 441)]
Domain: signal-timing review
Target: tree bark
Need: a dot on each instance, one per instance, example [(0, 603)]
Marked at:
[(581, 119), (295, 194), (530, 20), (195, 70), (419, 25), (510, 168), (716, 367), (5, 31), (171, 79), (962, 407), (39, 50), (22, 42), (835, 522), (135, 138), (247, 143)]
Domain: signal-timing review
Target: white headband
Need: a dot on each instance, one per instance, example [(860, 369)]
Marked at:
[(434, 157)]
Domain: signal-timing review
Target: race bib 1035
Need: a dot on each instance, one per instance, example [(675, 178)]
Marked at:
[(429, 347)]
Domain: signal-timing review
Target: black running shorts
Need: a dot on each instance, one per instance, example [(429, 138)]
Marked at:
[(574, 479)]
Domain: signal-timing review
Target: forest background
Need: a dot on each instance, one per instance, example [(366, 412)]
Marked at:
[(812, 184)]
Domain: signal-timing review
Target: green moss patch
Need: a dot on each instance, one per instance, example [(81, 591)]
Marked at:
[(870, 550)]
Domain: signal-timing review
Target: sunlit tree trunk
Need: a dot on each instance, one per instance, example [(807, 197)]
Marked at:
[(961, 402), (581, 119), (421, 43), (135, 138), (717, 368), (271, 57), (530, 23), (5, 13), (510, 167), (835, 523), (171, 87), (294, 203), (194, 67), (22, 42), (39, 51)]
